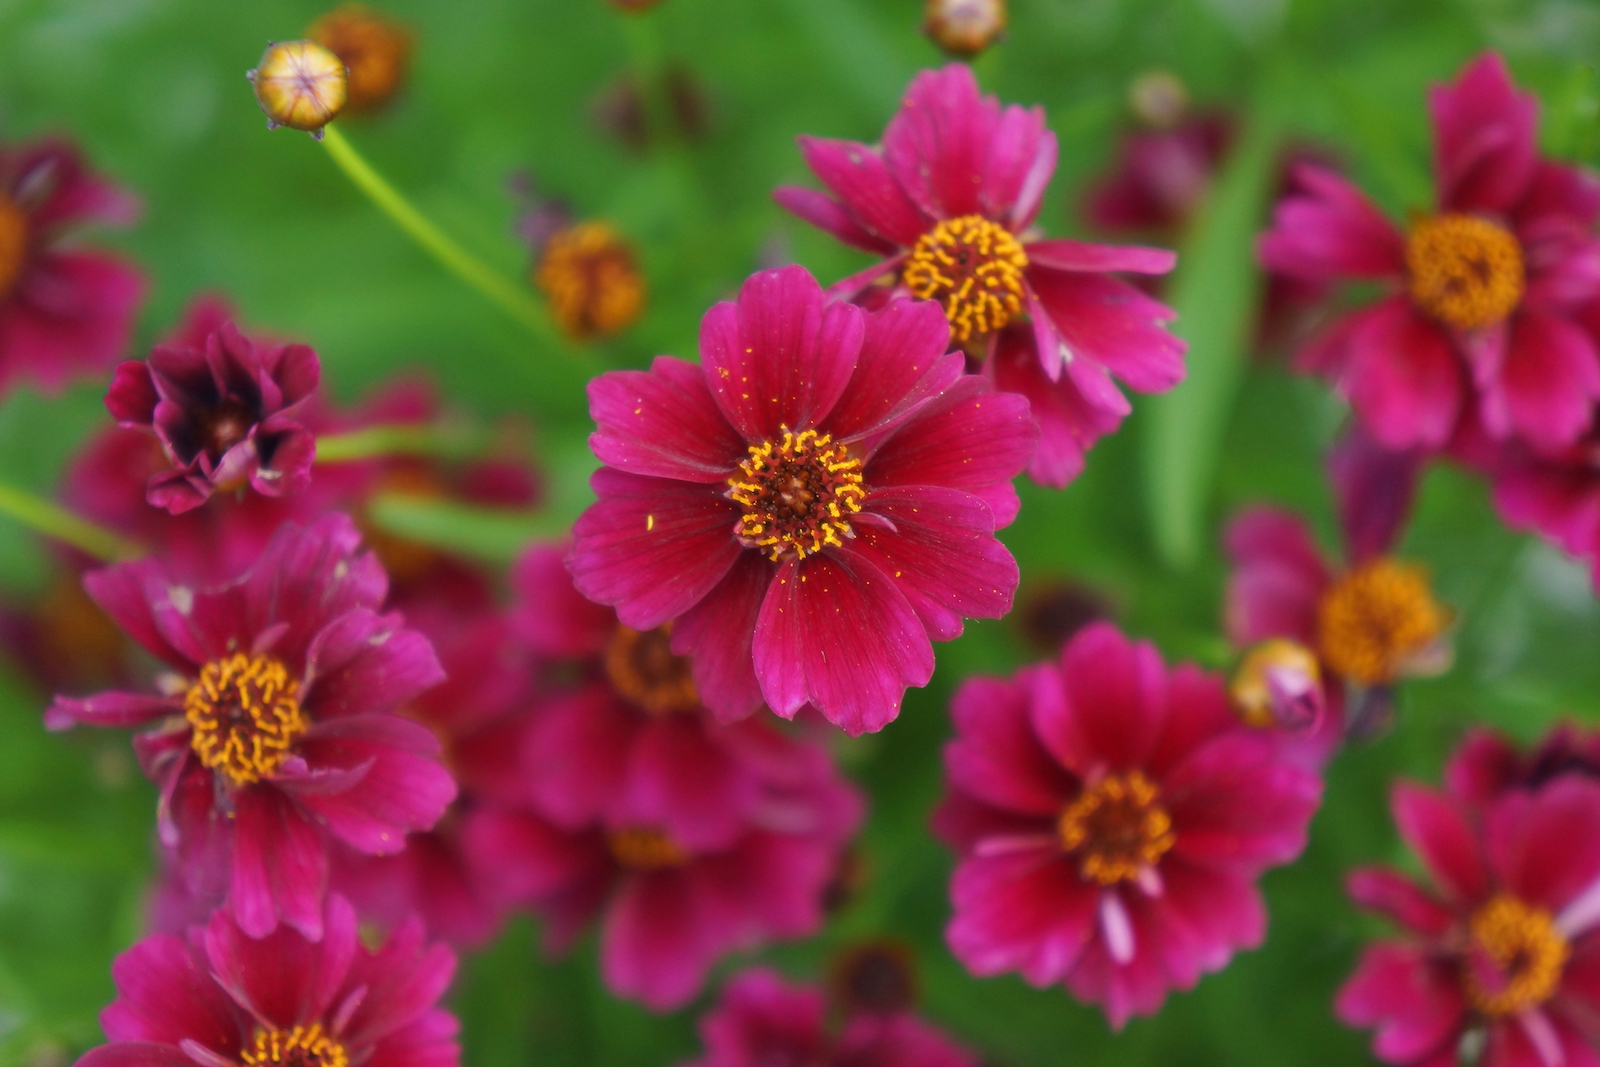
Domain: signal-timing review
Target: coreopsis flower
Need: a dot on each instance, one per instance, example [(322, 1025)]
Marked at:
[(219, 996), (1487, 764), (301, 85), (1499, 959), (227, 413), (948, 205), (375, 50), (1481, 293), (760, 1019), (964, 27), (274, 730), (65, 311), (590, 275), (1111, 819), (810, 507)]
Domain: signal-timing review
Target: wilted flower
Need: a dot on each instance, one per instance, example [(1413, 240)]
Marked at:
[(64, 311), (375, 49), (1111, 819), (948, 204), (220, 996), (810, 507), (274, 729), (301, 85), (591, 277), (964, 27)]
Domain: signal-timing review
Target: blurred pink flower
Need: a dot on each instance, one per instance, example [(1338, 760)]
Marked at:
[(1487, 764)]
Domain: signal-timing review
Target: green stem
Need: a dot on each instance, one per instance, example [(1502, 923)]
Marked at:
[(62, 525), (399, 440), (512, 299)]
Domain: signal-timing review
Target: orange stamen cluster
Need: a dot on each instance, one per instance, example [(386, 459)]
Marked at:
[(974, 268), (798, 494), (646, 849), (1376, 618), (1117, 828), (644, 670), (1465, 271), (13, 244), (376, 51), (590, 276), (1516, 957), (245, 711), (303, 1046)]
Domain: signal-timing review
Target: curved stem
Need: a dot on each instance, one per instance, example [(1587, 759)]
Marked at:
[(513, 300), (399, 440), (58, 523)]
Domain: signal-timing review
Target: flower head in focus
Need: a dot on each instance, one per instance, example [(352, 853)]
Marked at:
[(301, 85), (375, 49)]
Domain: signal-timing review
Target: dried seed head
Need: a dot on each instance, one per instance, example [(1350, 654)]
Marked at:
[(301, 85)]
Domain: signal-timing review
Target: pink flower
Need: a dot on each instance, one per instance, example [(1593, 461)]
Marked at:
[(1502, 953), (762, 1020), (1479, 313), (810, 508), (226, 412), (1111, 819), (64, 311), (948, 204), (218, 998), (272, 733), (1487, 764)]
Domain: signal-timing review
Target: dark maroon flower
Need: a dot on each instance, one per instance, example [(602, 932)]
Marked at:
[(811, 507), (64, 311), (1487, 764), (273, 732), (218, 997), (1501, 954), (226, 412), (763, 1021), (948, 205), (1111, 820)]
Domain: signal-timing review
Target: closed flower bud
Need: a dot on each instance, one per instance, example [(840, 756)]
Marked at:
[(374, 48), (964, 27), (1278, 684), (1158, 99), (301, 85), (590, 276)]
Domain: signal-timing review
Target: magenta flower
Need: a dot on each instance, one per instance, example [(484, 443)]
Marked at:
[(1487, 764), (64, 311), (220, 998), (948, 204), (763, 1021), (811, 507), (226, 412), (1111, 819), (273, 732), (1502, 954), (1479, 313)]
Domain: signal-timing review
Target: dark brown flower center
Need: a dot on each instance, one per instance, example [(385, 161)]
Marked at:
[(1117, 828), (589, 275), (645, 848), (13, 244), (225, 424), (303, 1046), (643, 668), (245, 711), (1465, 271), (1515, 957), (798, 493), (974, 268), (1371, 621)]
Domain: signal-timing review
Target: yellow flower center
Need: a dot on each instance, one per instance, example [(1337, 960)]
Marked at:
[(974, 268), (644, 670), (1515, 958), (1466, 272), (304, 1046), (644, 848), (589, 275), (13, 244), (245, 711), (1117, 827), (1377, 617), (798, 494)]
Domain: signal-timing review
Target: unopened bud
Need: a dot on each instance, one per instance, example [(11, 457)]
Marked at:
[(374, 48), (301, 85), (590, 276), (1278, 684), (1158, 99), (964, 27)]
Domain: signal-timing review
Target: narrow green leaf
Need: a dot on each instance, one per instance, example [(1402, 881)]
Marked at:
[(490, 534)]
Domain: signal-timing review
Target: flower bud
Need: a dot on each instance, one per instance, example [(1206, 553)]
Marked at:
[(590, 276), (1278, 684), (301, 85), (374, 48), (1158, 99), (964, 27)]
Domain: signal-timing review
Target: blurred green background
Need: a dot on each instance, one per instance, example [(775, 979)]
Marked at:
[(155, 91)]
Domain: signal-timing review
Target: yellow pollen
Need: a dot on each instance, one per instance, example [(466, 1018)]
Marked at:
[(1466, 272), (645, 849), (1377, 617), (589, 275), (13, 244), (1117, 827), (798, 494), (304, 1046), (245, 711), (643, 669), (974, 268), (1515, 957)]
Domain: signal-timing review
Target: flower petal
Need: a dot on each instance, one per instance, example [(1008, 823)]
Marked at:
[(937, 144), (829, 216), (1438, 832), (1402, 376), (1104, 711), (1080, 256), (1415, 1003), (996, 756), (1545, 390), (406, 789), (280, 865), (718, 634), (859, 177), (1485, 146), (903, 365), (663, 423), (1329, 230), (1107, 322), (1402, 900), (165, 994)]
